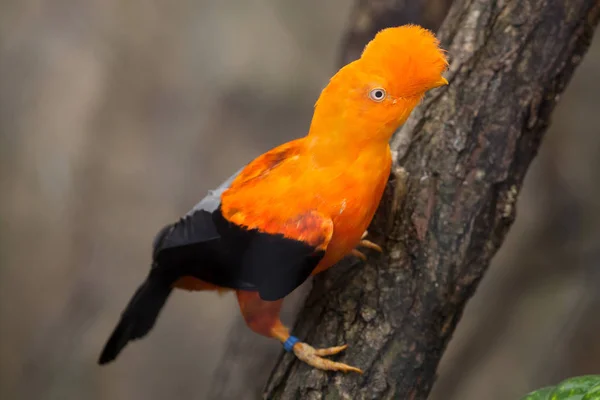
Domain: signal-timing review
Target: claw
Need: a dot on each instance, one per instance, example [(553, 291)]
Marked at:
[(312, 357), (370, 245), (357, 253), (330, 350)]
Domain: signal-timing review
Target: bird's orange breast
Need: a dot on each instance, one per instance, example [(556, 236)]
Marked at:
[(355, 206), (277, 188)]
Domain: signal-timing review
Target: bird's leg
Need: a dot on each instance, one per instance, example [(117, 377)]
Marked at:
[(263, 318)]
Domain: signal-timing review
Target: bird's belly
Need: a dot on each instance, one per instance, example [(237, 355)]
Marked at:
[(350, 222)]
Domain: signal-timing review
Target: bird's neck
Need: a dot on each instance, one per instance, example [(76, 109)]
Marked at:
[(332, 138), (346, 147)]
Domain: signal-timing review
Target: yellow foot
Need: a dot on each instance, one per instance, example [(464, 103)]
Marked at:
[(314, 357)]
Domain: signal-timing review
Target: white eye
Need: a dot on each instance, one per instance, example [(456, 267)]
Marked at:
[(377, 94)]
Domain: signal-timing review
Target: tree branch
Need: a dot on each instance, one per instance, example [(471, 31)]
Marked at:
[(466, 149)]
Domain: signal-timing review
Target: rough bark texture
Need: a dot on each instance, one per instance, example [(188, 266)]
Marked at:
[(466, 151)]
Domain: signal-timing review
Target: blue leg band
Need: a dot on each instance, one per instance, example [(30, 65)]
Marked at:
[(288, 345)]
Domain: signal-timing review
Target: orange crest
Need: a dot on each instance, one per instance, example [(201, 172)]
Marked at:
[(408, 56)]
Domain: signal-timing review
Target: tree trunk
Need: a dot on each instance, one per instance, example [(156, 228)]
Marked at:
[(466, 151)]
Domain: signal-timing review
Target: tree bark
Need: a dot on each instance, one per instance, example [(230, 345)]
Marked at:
[(466, 150)]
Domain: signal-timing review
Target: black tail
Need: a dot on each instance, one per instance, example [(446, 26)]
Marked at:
[(139, 316)]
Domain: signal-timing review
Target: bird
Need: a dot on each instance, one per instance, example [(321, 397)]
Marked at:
[(299, 208)]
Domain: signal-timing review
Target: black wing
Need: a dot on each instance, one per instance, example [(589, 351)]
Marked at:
[(203, 244), (273, 264), (194, 247)]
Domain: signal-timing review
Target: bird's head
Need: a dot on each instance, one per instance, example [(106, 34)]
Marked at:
[(376, 93)]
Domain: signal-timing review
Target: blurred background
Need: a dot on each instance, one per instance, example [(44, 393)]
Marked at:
[(116, 117)]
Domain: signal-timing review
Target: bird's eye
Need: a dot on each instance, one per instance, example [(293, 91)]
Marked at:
[(377, 94)]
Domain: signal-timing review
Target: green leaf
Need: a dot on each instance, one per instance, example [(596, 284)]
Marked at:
[(541, 394), (585, 387), (593, 393)]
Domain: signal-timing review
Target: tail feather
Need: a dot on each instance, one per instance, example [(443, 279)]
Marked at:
[(139, 316)]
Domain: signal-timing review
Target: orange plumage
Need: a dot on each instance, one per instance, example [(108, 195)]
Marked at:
[(340, 169), (299, 208)]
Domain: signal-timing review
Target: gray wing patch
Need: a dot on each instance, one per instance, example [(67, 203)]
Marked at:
[(209, 203), (212, 200)]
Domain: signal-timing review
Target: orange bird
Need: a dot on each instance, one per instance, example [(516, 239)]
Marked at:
[(299, 208)]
